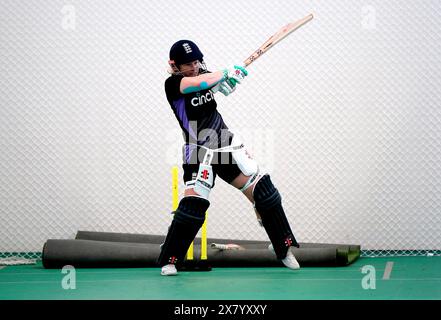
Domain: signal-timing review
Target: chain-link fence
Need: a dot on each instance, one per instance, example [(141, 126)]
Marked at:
[(344, 114)]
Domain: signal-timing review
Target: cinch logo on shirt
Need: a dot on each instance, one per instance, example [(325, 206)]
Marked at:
[(196, 101)]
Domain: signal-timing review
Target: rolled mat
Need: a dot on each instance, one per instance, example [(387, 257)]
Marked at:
[(345, 254), (98, 254), (58, 253), (120, 237), (151, 238)]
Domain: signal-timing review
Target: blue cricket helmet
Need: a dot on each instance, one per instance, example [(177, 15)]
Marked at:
[(185, 51)]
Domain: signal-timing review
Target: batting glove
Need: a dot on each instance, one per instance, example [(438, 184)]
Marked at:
[(235, 75), (223, 87)]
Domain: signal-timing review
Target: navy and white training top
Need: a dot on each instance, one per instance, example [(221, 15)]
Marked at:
[(197, 115)]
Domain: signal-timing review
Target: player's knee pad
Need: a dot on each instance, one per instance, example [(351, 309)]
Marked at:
[(191, 211), (265, 194), (187, 220), (268, 203)]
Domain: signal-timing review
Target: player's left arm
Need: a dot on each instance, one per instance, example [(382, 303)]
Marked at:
[(208, 80), (201, 82)]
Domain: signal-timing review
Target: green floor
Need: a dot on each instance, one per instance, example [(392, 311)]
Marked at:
[(409, 278)]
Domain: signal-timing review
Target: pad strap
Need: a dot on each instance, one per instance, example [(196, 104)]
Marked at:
[(250, 181)]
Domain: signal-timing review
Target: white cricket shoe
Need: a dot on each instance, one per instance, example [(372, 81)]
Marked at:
[(290, 261), (169, 270)]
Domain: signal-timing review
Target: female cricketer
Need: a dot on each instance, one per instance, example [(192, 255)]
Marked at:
[(211, 150)]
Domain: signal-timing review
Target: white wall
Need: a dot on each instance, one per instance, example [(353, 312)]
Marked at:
[(344, 113)]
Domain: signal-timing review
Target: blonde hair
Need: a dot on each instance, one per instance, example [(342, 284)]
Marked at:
[(174, 70)]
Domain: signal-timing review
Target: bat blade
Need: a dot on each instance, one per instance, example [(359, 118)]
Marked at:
[(277, 37)]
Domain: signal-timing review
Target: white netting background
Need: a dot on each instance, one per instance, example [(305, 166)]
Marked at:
[(344, 113)]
